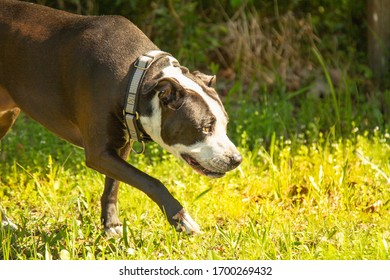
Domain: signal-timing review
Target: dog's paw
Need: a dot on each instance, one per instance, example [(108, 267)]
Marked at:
[(185, 223), (114, 231), (6, 223), (9, 224)]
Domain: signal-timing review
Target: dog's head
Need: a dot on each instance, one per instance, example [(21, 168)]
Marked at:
[(187, 118)]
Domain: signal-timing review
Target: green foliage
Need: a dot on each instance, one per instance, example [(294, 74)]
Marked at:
[(302, 114), (329, 17), (198, 33)]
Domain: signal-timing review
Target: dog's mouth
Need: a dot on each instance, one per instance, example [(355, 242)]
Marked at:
[(199, 168)]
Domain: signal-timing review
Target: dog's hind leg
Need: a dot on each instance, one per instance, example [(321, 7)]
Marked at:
[(8, 112), (7, 119), (8, 116)]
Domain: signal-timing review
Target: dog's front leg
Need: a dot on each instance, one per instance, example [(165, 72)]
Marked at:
[(113, 166), (5, 222), (109, 215)]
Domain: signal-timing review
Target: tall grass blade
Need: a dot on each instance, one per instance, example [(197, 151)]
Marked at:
[(202, 194), (330, 84)]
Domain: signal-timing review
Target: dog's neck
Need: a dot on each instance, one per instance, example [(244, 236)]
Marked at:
[(131, 112)]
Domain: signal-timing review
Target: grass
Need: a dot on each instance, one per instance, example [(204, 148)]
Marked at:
[(309, 196)]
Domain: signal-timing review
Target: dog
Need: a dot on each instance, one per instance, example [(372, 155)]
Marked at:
[(99, 83)]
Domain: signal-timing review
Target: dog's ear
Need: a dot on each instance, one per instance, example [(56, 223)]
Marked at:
[(170, 95), (209, 81)]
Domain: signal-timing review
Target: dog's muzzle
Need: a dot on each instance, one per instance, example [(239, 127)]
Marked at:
[(214, 167)]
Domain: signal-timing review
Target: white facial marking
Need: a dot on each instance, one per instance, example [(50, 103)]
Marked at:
[(187, 83)]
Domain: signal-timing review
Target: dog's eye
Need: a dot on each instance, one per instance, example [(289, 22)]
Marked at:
[(207, 129)]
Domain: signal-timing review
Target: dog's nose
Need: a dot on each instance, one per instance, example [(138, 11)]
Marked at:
[(235, 160)]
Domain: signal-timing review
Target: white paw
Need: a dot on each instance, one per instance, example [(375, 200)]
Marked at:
[(5, 222), (186, 223), (114, 231)]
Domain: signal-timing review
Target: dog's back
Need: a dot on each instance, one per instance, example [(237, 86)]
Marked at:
[(54, 55)]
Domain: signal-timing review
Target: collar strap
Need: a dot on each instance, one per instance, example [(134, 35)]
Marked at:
[(141, 65)]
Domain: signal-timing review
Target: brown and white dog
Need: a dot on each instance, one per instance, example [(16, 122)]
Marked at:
[(72, 73)]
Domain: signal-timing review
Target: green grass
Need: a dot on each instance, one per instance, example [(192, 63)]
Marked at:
[(314, 184), (295, 199)]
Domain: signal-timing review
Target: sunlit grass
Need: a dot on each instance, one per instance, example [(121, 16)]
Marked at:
[(327, 199)]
